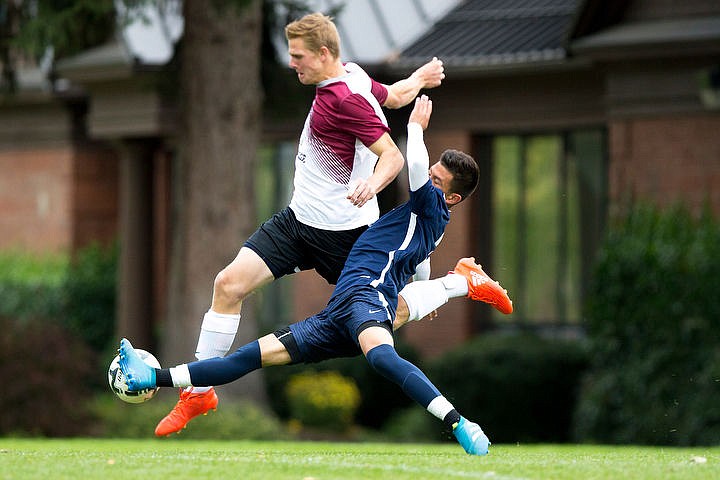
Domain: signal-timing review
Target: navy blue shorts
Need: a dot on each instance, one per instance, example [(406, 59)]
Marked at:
[(334, 332), (288, 246)]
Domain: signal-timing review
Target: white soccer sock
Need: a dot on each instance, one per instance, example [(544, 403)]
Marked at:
[(217, 334), (426, 296), (455, 285), (440, 407), (181, 377)]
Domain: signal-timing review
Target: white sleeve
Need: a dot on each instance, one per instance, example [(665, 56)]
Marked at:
[(418, 159), (422, 271)]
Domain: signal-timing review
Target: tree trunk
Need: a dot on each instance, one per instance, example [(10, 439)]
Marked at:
[(214, 207)]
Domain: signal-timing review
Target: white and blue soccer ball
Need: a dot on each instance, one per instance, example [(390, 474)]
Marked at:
[(118, 383)]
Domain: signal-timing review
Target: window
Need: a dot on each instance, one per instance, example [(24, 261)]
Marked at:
[(548, 196)]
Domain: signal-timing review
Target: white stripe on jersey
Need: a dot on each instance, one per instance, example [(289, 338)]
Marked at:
[(327, 160), (391, 255)]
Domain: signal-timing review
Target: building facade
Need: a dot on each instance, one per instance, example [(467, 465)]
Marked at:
[(575, 111)]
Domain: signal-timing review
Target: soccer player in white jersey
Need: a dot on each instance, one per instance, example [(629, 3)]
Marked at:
[(359, 316), (345, 157)]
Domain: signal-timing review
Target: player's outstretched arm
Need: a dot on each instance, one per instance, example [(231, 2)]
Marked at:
[(418, 158), (404, 91)]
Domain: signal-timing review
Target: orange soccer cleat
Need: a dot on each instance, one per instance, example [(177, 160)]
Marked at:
[(188, 407), (481, 287)]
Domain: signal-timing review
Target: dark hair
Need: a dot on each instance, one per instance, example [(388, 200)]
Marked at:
[(464, 169)]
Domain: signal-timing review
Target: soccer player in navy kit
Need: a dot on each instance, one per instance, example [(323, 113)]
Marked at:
[(359, 316), (345, 157)]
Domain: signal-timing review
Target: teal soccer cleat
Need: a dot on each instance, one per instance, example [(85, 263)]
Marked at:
[(139, 374), (471, 437)]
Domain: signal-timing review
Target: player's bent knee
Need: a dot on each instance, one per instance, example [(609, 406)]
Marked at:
[(385, 360), (228, 285), (241, 277)]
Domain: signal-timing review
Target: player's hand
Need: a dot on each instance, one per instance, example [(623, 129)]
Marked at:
[(432, 315), (421, 112), (360, 192), (431, 74)]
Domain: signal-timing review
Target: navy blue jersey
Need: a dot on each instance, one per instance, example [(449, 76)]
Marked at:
[(385, 256)]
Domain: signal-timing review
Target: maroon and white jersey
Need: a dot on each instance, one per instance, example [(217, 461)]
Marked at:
[(345, 118)]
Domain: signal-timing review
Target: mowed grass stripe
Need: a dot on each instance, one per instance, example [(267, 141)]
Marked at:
[(170, 458)]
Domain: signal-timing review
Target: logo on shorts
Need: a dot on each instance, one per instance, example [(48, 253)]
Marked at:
[(371, 311)]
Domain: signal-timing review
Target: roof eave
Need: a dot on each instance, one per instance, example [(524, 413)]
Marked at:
[(112, 61), (657, 39), (518, 63), (480, 68)]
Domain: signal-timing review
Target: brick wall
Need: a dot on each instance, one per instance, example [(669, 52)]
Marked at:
[(665, 161), (57, 198), (35, 199)]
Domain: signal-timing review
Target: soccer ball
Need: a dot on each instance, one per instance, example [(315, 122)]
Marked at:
[(116, 379)]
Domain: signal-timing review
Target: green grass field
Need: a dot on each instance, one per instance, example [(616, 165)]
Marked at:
[(161, 459)]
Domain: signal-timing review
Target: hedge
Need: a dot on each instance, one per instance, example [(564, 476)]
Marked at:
[(653, 320), (518, 387)]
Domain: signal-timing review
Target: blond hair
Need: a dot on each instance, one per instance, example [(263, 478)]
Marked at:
[(316, 30)]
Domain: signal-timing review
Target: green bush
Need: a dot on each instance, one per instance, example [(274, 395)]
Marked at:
[(78, 294), (415, 424), (44, 375), (518, 387), (31, 286), (653, 318), (89, 290), (235, 420), (57, 317), (380, 398), (325, 399)]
